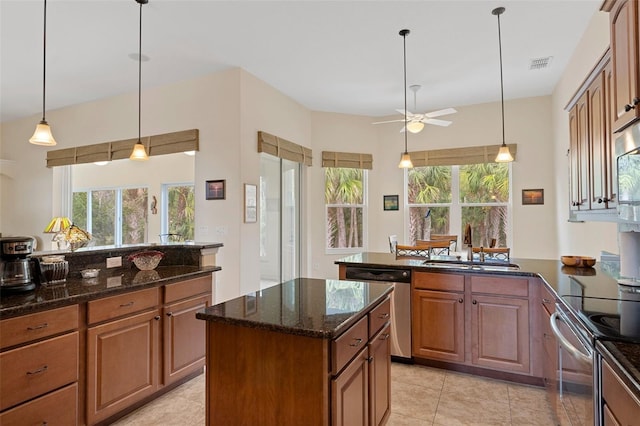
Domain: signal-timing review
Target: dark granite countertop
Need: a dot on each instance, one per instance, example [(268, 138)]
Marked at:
[(304, 306), (596, 282), (108, 283), (624, 358)]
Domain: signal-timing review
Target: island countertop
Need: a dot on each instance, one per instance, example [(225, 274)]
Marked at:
[(319, 308)]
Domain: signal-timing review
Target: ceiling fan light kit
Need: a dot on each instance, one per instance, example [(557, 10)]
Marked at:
[(139, 152), (405, 160), (504, 156), (42, 134)]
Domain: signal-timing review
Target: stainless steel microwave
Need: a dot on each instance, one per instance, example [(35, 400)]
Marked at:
[(628, 173)]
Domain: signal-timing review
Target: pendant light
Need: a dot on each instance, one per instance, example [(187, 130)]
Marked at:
[(42, 135), (504, 156), (405, 160), (139, 153)]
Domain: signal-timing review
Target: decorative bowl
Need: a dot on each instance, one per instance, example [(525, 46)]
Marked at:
[(578, 261), (146, 260), (89, 273)]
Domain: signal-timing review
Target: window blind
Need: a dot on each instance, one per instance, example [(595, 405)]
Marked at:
[(283, 148), (350, 160), (167, 143), (458, 156)]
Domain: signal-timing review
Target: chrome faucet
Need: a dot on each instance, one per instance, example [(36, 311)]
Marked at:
[(467, 242)]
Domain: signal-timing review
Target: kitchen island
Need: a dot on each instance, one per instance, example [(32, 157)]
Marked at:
[(307, 351)]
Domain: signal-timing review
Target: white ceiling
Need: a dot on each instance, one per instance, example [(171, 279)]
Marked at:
[(339, 56)]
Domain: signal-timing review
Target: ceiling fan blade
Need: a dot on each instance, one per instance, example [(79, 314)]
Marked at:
[(437, 122), (390, 121), (440, 112)]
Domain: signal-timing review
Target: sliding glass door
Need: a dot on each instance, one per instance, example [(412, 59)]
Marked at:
[(279, 220)]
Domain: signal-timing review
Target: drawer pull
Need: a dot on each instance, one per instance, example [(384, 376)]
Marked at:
[(370, 359), (545, 300), (126, 305), (385, 336), (356, 342), (38, 327), (384, 316), (38, 371)]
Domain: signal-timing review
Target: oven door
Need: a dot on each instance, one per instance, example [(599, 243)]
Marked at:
[(576, 378)]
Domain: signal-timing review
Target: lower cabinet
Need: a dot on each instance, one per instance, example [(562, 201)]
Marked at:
[(379, 377), (620, 405), (478, 320)]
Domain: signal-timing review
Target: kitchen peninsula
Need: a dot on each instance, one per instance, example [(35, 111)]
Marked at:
[(89, 350), (307, 351)]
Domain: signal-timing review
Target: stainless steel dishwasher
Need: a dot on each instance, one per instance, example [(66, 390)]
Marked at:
[(400, 304)]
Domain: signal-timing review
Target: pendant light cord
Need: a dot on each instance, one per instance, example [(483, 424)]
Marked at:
[(140, 74), (44, 61), (501, 80), (404, 45)]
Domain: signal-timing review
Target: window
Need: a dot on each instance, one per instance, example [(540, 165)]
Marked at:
[(475, 194), (178, 214), (112, 216), (345, 199)]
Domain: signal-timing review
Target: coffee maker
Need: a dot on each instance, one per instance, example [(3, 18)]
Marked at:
[(17, 270)]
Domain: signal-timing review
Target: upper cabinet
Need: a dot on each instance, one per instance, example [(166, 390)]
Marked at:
[(625, 26)]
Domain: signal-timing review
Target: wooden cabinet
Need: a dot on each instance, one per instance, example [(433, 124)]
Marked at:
[(380, 377), (122, 354), (579, 155), (620, 405), (350, 393), (549, 350), (624, 20), (39, 368), (475, 319)]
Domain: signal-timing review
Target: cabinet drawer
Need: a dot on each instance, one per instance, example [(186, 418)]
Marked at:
[(55, 408), (491, 284), (123, 304), (26, 328), (186, 289), (345, 347), (435, 281), (38, 368), (547, 298), (379, 316), (622, 403)]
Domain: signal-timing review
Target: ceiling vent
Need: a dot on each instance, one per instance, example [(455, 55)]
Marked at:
[(540, 63)]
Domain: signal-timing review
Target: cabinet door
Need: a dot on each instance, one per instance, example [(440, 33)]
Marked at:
[(438, 325), (500, 333), (184, 338), (583, 153), (598, 138), (380, 377), (578, 181), (624, 49), (122, 363), (624, 406), (350, 393)]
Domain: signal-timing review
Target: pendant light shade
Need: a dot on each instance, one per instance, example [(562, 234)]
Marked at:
[(139, 153), (405, 160), (42, 135), (504, 156)]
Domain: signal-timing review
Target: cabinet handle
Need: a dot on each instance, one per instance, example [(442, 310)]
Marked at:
[(460, 300), (38, 327), (356, 342), (545, 300), (370, 359), (629, 107), (126, 305), (475, 302), (38, 371), (385, 336), (169, 314), (384, 316), (157, 318), (546, 336)]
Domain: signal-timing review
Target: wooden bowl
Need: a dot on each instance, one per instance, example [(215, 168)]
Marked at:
[(578, 261)]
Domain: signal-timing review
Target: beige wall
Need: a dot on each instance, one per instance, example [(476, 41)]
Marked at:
[(231, 106)]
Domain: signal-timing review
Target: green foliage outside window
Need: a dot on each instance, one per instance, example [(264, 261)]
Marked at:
[(181, 212), (344, 197)]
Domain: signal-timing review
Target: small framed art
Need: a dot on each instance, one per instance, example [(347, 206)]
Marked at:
[(250, 203), (215, 189), (390, 202), (532, 196)]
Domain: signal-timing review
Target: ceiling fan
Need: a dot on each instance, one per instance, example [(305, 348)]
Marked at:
[(415, 122)]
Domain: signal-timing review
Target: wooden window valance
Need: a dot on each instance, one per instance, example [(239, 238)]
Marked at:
[(283, 148), (458, 156), (350, 160), (167, 143)]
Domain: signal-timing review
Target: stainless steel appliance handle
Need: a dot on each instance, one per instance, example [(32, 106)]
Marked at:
[(576, 353)]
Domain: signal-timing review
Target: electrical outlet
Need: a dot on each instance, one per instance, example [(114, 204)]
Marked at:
[(114, 262)]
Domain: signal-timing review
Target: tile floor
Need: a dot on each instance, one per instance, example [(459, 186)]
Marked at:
[(419, 396)]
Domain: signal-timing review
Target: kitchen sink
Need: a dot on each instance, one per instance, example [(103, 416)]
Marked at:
[(472, 266)]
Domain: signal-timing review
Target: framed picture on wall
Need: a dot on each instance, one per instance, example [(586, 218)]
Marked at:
[(215, 189), (250, 203), (390, 202), (532, 196)]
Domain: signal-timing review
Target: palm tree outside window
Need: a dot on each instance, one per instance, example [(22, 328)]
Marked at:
[(345, 200)]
